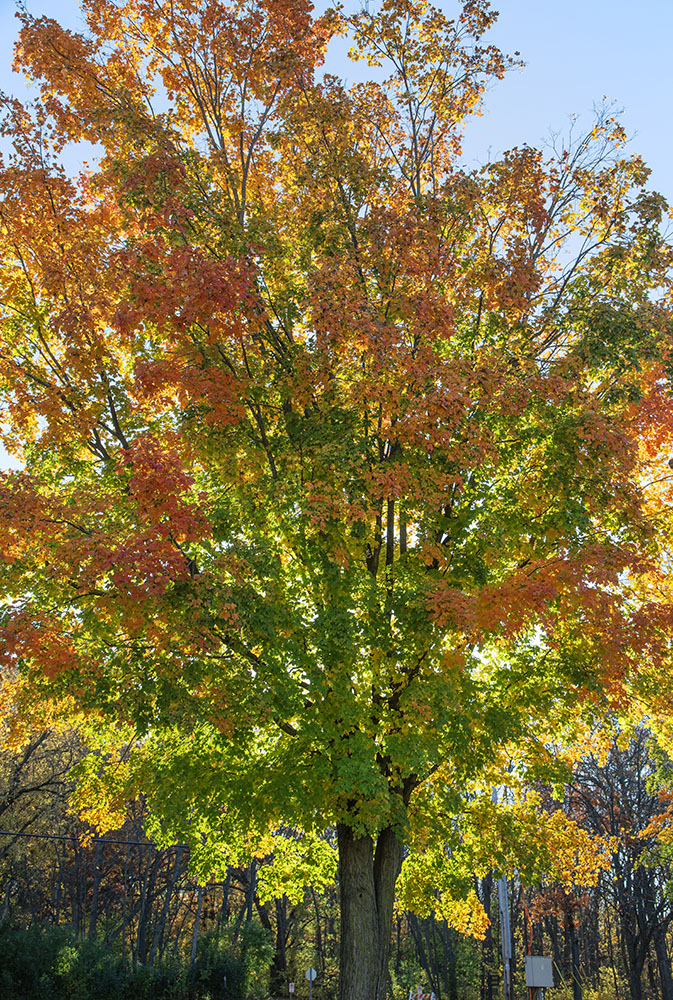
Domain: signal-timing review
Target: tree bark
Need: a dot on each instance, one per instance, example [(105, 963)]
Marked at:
[(148, 879), (160, 925), (197, 921), (320, 950), (573, 948), (279, 967), (414, 926), (97, 866), (367, 877), (224, 909), (450, 936), (636, 960), (664, 962)]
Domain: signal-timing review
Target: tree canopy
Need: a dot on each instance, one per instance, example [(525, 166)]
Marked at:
[(345, 469)]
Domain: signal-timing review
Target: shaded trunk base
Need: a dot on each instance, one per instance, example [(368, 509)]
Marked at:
[(367, 875)]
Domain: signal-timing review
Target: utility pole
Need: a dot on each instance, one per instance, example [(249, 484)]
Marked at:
[(505, 937)]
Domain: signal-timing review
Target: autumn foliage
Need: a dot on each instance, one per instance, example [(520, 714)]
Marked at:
[(337, 458)]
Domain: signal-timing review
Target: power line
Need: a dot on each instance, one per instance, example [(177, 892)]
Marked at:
[(94, 840)]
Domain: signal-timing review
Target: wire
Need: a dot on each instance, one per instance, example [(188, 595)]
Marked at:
[(95, 840)]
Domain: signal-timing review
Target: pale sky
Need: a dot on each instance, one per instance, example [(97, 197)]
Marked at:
[(576, 52)]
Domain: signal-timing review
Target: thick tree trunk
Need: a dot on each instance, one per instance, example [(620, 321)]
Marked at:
[(367, 877), (450, 960), (573, 947), (279, 966), (634, 966), (575, 953), (664, 963)]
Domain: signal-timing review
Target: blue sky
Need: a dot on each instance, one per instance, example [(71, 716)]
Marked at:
[(576, 53)]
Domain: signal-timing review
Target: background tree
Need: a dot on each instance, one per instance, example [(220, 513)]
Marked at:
[(620, 797), (332, 492)]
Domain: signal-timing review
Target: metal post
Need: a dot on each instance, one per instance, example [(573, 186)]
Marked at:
[(505, 937)]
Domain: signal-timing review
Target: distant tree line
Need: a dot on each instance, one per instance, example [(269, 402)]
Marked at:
[(133, 914)]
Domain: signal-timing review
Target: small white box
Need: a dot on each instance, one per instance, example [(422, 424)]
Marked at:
[(539, 971)]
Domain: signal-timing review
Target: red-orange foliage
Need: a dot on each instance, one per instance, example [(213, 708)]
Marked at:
[(334, 452)]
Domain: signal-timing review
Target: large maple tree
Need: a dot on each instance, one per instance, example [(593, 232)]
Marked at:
[(331, 490)]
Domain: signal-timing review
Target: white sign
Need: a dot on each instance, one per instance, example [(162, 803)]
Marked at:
[(539, 971), (311, 974), (420, 995), (291, 987)]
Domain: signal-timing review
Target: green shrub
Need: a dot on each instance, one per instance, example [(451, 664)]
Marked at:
[(54, 964), (216, 964)]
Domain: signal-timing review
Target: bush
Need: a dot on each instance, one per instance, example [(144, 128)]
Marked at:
[(54, 964), (29, 960), (216, 965)]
